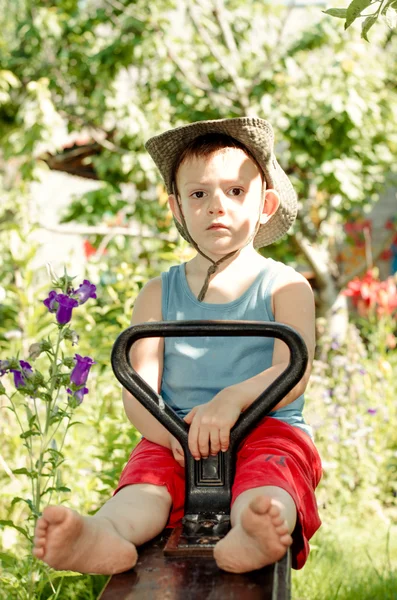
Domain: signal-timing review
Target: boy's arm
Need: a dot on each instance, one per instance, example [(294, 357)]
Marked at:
[(293, 304), (147, 359)]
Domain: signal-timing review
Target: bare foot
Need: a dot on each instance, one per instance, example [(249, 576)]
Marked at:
[(260, 539), (69, 542)]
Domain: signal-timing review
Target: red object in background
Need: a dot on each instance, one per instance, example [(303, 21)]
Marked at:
[(386, 254), (391, 224), (371, 295), (355, 230), (89, 249)]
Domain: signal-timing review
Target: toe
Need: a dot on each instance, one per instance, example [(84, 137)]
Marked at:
[(41, 525), (38, 551), (260, 505), (286, 539), (282, 529), (274, 510), (54, 514), (39, 541)]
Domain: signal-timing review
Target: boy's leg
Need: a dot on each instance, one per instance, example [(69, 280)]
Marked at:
[(262, 520), (104, 543)]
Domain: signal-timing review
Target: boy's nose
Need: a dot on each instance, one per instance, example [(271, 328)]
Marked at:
[(215, 206)]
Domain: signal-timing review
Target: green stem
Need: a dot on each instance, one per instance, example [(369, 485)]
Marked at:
[(60, 450), (49, 407), (28, 443), (38, 416)]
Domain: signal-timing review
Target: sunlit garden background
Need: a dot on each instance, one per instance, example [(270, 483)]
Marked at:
[(83, 84)]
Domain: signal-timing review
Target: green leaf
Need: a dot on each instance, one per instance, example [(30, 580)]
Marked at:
[(354, 10), (8, 560), (60, 488), (24, 471), (366, 26), (389, 4), (4, 523), (28, 502), (29, 433), (339, 13)]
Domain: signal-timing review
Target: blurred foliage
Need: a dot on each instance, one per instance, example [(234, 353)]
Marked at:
[(115, 73), (351, 405)]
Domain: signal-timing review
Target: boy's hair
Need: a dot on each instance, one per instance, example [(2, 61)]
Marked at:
[(204, 146)]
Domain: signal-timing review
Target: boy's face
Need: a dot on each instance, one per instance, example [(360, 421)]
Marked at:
[(221, 197)]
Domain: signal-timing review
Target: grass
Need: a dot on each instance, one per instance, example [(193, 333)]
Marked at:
[(350, 561)]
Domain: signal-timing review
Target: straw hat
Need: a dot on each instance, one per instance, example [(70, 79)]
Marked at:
[(257, 136)]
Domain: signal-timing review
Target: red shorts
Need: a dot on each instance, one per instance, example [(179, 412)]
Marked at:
[(274, 453)]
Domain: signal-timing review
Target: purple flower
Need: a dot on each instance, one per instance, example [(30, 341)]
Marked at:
[(84, 292), (65, 307), (52, 301), (26, 367), (81, 370), (19, 380), (20, 376), (372, 411), (78, 395)]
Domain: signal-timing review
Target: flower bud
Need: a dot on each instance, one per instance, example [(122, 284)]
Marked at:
[(35, 350), (69, 362), (4, 367), (71, 334)]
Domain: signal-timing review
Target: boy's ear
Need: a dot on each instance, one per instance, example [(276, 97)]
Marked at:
[(270, 205), (175, 208)]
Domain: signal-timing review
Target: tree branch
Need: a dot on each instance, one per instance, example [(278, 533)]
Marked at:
[(223, 63), (227, 33), (132, 231), (360, 269), (189, 76), (271, 61), (318, 263)]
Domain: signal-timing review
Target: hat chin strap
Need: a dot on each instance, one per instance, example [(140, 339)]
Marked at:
[(215, 264)]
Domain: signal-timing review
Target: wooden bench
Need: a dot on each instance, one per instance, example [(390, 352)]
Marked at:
[(157, 577)]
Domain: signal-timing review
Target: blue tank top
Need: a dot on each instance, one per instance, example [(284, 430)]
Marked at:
[(196, 369)]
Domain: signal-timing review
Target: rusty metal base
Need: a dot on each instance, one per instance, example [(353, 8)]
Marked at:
[(157, 577), (178, 545)]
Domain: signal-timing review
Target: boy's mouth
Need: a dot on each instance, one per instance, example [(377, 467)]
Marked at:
[(217, 226)]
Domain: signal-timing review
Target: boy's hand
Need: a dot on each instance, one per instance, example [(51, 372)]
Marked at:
[(177, 451), (210, 424)]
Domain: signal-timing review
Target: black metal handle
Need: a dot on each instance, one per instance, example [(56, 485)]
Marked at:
[(258, 409), (209, 481)]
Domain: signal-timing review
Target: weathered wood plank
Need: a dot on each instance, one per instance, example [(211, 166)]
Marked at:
[(157, 577)]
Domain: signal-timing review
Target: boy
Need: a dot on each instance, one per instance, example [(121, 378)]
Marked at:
[(228, 196)]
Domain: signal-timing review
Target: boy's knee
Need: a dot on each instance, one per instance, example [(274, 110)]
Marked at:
[(143, 494)]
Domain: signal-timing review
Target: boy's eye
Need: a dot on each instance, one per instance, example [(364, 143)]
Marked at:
[(236, 191)]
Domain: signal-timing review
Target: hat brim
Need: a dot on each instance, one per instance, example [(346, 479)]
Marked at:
[(257, 136)]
